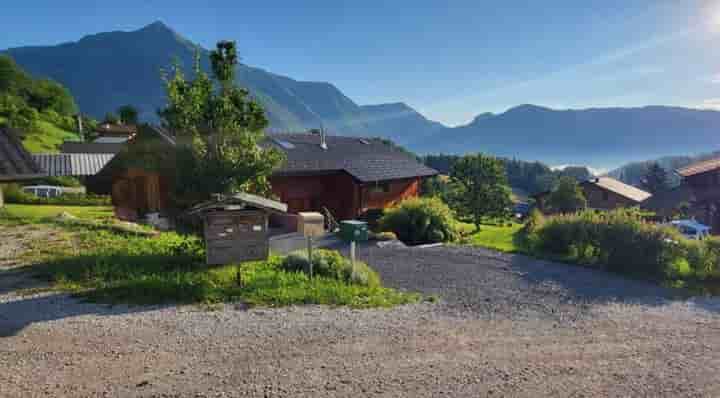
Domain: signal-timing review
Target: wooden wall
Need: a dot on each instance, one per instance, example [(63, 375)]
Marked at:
[(138, 191), (598, 198), (397, 191)]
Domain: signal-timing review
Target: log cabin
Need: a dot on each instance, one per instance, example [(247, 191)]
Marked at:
[(602, 193), (703, 179), (345, 175)]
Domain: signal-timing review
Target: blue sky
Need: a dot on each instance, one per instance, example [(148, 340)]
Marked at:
[(450, 60)]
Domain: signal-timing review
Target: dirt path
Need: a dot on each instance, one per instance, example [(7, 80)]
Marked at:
[(507, 326)]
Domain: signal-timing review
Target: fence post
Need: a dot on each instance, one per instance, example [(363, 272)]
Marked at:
[(309, 249)]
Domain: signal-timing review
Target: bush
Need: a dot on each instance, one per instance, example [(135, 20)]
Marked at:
[(421, 220), (618, 241), (331, 264), (13, 193)]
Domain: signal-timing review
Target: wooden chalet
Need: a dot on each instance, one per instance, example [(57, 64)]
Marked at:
[(345, 175), (112, 133), (602, 193), (703, 179), (16, 164)]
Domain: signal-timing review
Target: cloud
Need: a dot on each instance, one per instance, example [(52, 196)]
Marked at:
[(593, 170)]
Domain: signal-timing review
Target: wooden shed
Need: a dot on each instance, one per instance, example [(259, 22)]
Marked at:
[(236, 227)]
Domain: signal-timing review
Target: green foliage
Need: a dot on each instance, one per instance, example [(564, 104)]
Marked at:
[(107, 266), (219, 130), (421, 220), (656, 179), (14, 194), (39, 94), (128, 114), (40, 213), (620, 241), (331, 264), (567, 197), (482, 188)]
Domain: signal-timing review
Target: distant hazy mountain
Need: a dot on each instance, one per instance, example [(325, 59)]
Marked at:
[(594, 137), (107, 70)]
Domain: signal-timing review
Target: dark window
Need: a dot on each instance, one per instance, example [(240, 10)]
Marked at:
[(606, 196), (383, 187)]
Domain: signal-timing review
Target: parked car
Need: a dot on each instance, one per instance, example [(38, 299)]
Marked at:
[(691, 229), (44, 191)]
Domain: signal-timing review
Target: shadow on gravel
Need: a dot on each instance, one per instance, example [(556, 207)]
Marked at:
[(19, 313), (507, 285)]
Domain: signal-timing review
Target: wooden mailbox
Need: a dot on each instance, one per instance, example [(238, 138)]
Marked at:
[(236, 228)]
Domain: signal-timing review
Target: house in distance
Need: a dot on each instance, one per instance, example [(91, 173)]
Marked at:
[(603, 193)]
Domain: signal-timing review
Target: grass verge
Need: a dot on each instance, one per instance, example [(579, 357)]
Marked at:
[(499, 237), (113, 267), (35, 213)]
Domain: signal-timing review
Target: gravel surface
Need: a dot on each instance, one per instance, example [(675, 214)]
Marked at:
[(505, 326)]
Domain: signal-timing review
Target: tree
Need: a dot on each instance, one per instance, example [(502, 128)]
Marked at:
[(219, 129), (111, 118), (655, 179), (483, 190), (567, 197), (128, 114)]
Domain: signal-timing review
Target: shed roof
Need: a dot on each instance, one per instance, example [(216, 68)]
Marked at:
[(15, 162), (116, 129), (699, 167), (366, 159), (620, 188), (72, 164), (242, 199)]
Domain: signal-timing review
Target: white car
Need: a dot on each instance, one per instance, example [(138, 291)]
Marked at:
[(43, 191), (691, 229)]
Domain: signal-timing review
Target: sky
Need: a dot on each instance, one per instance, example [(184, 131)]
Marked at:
[(451, 60)]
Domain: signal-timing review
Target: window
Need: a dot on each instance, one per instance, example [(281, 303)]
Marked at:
[(284, 144), (382, 187), (606, 196)]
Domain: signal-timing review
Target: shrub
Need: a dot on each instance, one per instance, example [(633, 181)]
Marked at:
[(13, 193), (331, 264), (421, 220), (618, 241)]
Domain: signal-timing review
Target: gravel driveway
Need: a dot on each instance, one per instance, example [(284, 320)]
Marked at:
[(505, 326)]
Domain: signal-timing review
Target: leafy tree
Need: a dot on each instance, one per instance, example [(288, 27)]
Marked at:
[(483, 190), (219, 128), (128, 114), (567, 197), (656, 179), (579, 173)]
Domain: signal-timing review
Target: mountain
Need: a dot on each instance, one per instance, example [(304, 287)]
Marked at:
[(596, 137), (107, 70)]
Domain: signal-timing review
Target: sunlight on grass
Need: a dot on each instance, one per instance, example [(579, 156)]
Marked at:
[(497, 237), (47, 138), (35, 213)]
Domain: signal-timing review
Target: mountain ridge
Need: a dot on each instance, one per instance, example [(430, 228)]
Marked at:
[(123, 67)]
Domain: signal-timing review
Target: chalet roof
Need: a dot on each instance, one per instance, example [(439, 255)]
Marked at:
[(238, 201), (72, 164), (699, 167), (366, 159), (91, 147), (620, 188), (15, 162)]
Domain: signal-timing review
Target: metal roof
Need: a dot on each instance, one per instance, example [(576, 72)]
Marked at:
[(699, 167), (15, 162), (620, 188), (240, 198), (72, 164), (366, 159)]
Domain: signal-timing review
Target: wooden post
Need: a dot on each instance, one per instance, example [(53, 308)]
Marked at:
[(309, 249), (352, 256)]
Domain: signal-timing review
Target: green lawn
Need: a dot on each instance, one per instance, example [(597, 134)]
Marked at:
[(39, 212), (502, 238)]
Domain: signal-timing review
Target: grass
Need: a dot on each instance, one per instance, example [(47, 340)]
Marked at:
[(47, 137), (35, 213), (495, 236), (102, 264)]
